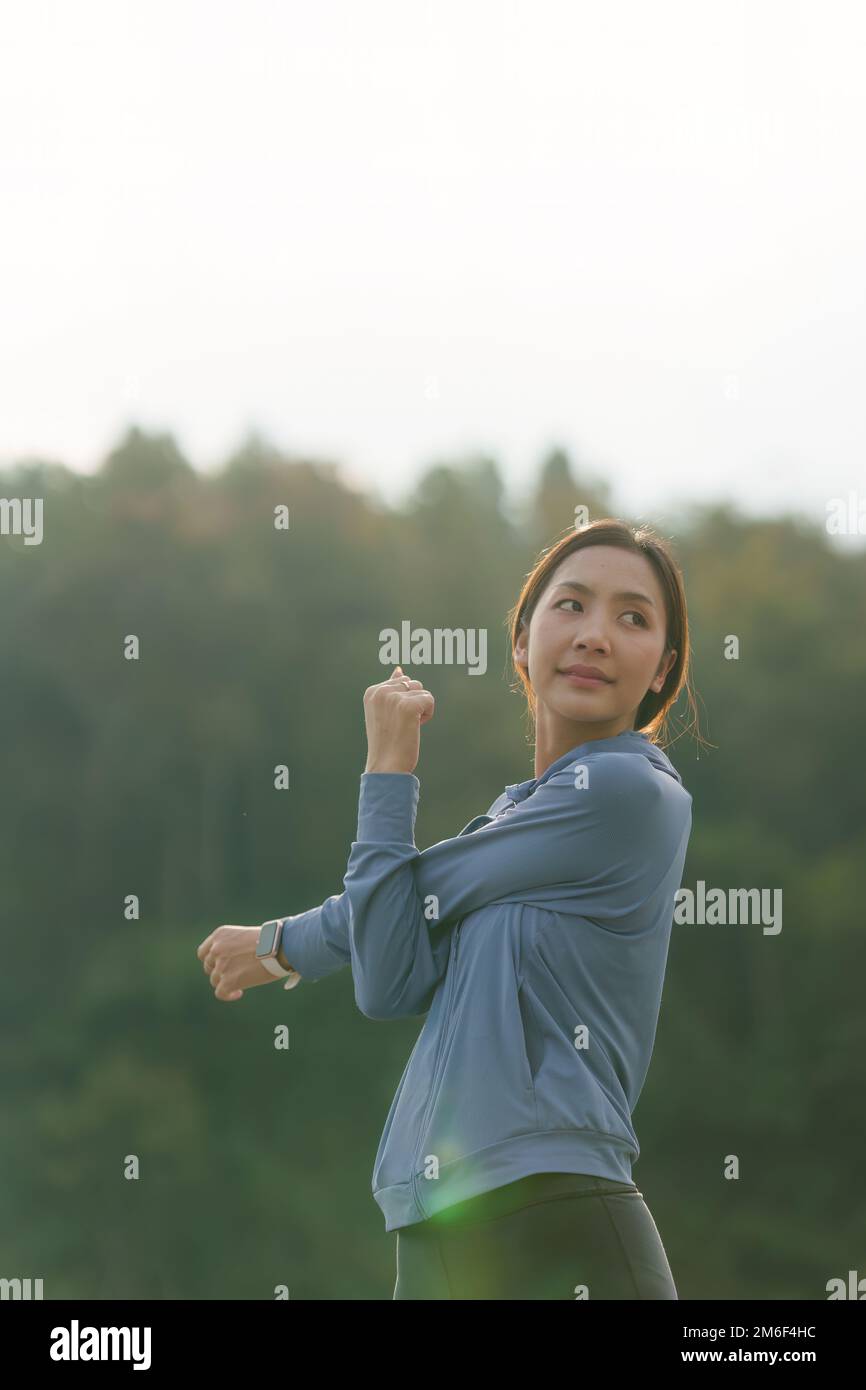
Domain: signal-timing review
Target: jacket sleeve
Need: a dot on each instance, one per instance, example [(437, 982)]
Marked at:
[(316, 943), (598, 835)]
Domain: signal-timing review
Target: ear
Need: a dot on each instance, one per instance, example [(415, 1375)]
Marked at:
[(521, 653), (659, 680)]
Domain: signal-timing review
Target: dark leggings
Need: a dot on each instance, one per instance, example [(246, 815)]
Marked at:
[(550, 1235)]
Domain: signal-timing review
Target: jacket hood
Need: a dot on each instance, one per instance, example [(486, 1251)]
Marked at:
[(629, 741)]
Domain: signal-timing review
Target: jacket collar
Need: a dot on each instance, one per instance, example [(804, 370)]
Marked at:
[(519, 791)]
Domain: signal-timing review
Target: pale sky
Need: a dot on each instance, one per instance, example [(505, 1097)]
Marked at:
[(390, 233)]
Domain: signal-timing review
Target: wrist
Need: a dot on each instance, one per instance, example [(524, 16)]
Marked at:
[(386, 767), (281, 954), (291, 975)]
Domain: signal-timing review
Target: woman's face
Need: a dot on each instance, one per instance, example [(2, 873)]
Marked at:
[(582, 618)]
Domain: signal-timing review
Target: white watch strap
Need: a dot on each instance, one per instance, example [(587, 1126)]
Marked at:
[(271, 963)]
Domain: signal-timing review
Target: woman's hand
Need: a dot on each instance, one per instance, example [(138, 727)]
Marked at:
[(394, 712), (229, 959)]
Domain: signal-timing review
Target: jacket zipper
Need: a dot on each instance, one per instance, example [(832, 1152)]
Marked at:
[(443, 1034)]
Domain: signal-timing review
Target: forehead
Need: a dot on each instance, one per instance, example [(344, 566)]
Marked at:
[(608, 568)]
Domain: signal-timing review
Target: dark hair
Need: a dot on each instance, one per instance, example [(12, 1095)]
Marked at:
[(652, 713)]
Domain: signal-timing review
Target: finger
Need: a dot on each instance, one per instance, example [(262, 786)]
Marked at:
[(209, 942), (422, 695)]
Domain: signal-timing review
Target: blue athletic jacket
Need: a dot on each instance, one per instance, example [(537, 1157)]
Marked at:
[(537, 939)]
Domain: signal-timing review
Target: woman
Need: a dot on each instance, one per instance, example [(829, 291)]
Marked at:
[(537, 939)]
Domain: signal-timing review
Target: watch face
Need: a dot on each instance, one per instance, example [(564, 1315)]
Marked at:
[(266, 939)]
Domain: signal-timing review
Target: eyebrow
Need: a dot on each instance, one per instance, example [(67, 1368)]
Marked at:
[(585, 589)]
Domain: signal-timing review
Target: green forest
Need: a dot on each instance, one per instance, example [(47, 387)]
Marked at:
[(155, 778)]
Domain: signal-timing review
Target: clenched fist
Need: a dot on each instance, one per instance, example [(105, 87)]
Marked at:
[(394, 711), (229, 959)]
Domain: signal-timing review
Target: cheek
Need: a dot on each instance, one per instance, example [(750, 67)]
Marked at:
[(640, 661), (651, 659), (539, 640)]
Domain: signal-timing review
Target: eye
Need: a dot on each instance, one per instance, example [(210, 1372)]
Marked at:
[(631, 611)]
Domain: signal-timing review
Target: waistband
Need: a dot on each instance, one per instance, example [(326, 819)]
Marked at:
[(511, 1196)]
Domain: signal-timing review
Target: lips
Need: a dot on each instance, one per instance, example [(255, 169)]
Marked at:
[(590, 672)]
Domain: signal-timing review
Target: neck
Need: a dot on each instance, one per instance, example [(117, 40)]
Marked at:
[(556, 736)]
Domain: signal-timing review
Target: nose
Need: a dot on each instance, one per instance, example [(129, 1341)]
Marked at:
[(591, 637)]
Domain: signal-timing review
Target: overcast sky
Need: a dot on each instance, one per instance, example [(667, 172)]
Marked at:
[(389, 232)]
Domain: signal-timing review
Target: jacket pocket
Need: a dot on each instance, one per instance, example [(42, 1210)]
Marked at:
[(533, 1042)]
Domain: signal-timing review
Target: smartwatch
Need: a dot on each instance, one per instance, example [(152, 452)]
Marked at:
[(267, 948)]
